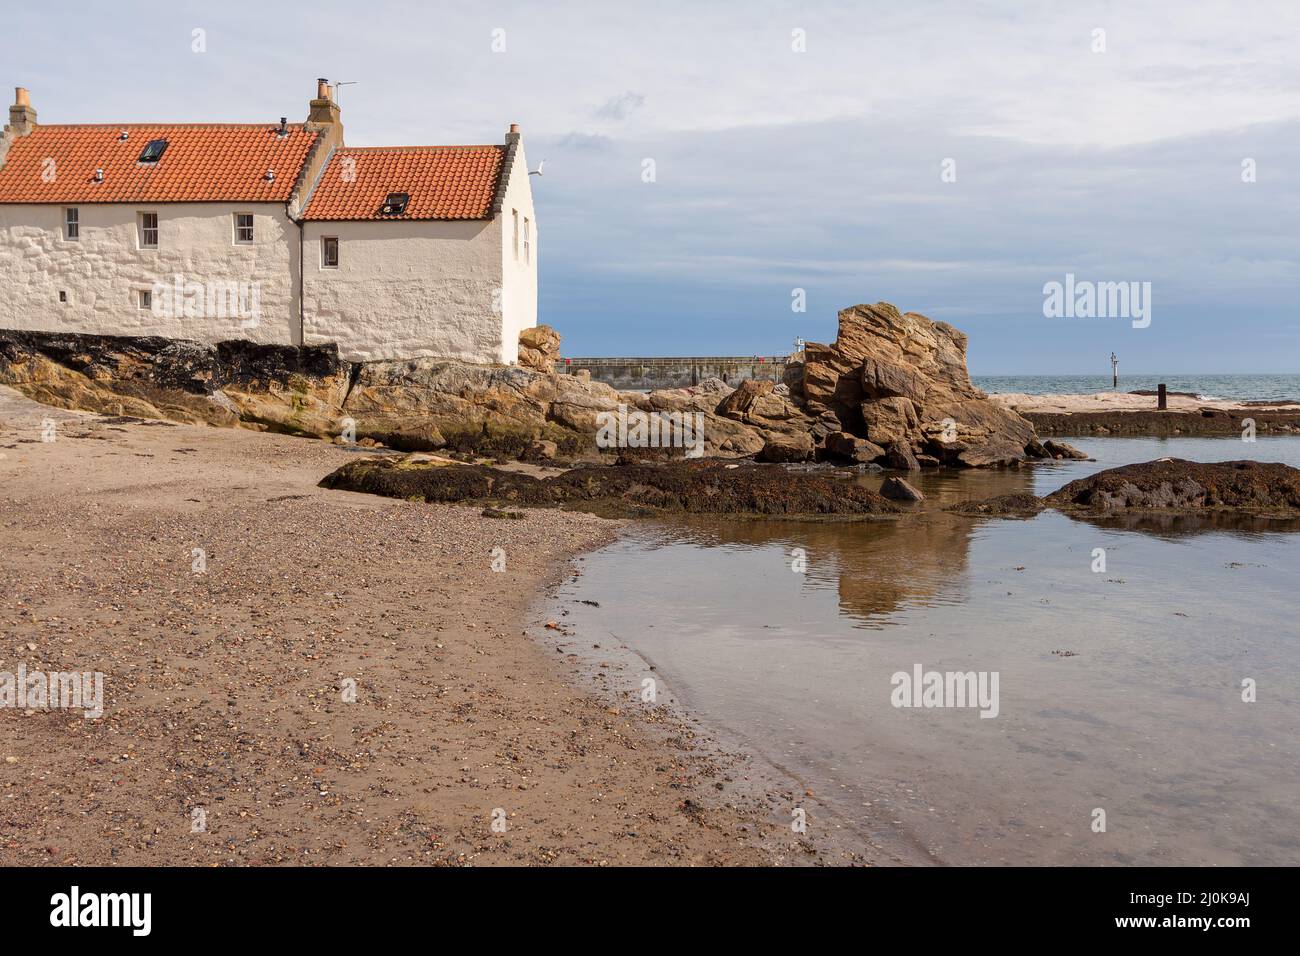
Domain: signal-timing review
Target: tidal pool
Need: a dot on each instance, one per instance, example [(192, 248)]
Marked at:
[(1119, 689)]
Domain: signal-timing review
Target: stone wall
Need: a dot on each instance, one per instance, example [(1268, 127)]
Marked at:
[(652, 373)]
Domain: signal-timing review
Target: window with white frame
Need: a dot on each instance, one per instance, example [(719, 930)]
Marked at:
[(244, 228), (329, 252), (528, 252), (71, 224), (148, 230), (515, 214)]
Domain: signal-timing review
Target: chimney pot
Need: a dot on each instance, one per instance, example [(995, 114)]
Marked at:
[(322, 88), (514, 127), (21, 96)]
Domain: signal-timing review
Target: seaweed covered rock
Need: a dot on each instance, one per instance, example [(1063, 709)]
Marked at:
[(1168, 488), (1004, 506), (693, 487), (1175, 485)]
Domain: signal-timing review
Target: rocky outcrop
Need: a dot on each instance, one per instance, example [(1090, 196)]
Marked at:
[(899, 380), (414, 405), (892, 390), (539, 347)]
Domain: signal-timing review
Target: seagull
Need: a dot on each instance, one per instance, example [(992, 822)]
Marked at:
[(538, 170)]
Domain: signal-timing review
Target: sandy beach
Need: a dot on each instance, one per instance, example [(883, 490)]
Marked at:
[(224, 686)]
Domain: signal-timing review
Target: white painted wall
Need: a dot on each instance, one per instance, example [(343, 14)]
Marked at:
[(519, 273), (405, 289), (104, 271)]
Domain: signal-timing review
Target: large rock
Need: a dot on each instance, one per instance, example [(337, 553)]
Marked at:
[(539, 347), (787, 448), (900, 490), (859, 450), (890, 421), (1060, 449), (900, 381)]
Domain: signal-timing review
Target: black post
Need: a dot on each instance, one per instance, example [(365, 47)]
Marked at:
[(1162, 399)]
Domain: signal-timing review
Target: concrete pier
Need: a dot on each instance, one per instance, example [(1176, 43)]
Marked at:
[(669, 372)]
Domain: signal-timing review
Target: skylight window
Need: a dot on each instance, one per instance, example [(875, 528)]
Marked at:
[(395, 204), (153, 151)]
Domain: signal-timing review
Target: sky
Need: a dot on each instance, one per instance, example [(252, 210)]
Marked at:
[(950, 158)]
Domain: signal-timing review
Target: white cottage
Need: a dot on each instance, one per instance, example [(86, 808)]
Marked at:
[(277, 233)]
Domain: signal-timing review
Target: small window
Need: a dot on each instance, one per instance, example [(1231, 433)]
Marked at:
[(514, 213), (63, 295), (528, 255), (329, 252), (394, 204), (148, 230), (146, 299), (153, 151), (71, 224), (243, 227)]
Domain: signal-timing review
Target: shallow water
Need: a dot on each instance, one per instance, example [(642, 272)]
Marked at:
[(1143, 719)]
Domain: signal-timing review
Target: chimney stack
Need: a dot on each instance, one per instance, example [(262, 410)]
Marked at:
[(22, 118), (324, 111)]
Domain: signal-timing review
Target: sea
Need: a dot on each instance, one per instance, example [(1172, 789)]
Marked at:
[(1259, 388)]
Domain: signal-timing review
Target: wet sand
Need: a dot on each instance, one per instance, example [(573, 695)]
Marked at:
[(224, 687)]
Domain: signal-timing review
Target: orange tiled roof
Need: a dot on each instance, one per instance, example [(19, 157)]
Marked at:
[(444, 182), (203, 162)]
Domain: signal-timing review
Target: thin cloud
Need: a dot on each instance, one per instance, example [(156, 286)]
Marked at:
[(619, 108)]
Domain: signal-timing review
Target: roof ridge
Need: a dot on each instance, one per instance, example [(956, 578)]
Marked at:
[(381, 149), (271, 124)]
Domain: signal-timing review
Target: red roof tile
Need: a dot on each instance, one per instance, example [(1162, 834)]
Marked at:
[(444, 182), (202, 163)]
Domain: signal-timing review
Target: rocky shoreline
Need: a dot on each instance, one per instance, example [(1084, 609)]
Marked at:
[(892, 391)]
